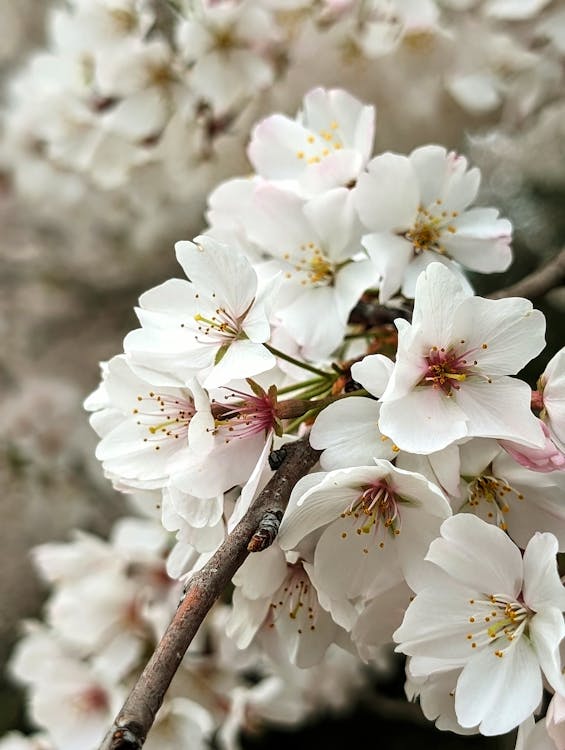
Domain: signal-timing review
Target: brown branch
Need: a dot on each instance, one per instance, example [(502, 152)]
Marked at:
[(537, 283), (136, 717)]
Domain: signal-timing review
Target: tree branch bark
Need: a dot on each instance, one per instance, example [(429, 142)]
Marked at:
[(537, 283), (137, 715)]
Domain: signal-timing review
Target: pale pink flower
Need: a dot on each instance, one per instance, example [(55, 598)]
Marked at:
[(417, 210), (450, 379), (326, 146)]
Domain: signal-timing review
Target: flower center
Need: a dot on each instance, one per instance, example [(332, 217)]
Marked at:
[(221, 327), (495, 492), (497, 619), (164, 416), (296, 598), (251, 416), (375, 509), (310, 261), (92, 699), (427, 229), (446, 369), (322, 144)]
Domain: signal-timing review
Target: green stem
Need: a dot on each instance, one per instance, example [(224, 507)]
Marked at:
[(298, 386), (315, 391), (303, 365), (298, 421)]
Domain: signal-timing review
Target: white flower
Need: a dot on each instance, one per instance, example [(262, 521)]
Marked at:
[(498, 490), (377, 523), (228, 45), (180, 722), (212, 326), (552, 388), (316, 247), (276, 592), (494, 614), (145, 428), (327, 145), (347, 431), (450, 377), (416, 209)]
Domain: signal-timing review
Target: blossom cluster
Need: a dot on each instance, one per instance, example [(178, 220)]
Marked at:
[(111, 603), (135, 108), (435, 513)]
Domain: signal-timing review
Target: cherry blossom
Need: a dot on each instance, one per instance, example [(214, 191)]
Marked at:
[(208, 326), (497, 489), (416, 208), (552, 389), (326, 146), (450, 379), (317, 251), (493, 613), (375, 520)]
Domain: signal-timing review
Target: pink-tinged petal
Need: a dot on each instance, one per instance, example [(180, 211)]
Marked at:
[(373, 372), (347, 432), (478, 555), (549, 458), (499, 693), (499, 409), (349, 121), (501, 335), (547, 630), (461, 186), (423, 421), (243, 359), (553, 381), (390, 256), (333, 170), (333, 216), (542, 584), (439, 295), (481, 240), (275, 146), (387, 196)]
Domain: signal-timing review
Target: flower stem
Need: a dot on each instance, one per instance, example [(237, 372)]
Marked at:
[(298, 386), (293, 361)]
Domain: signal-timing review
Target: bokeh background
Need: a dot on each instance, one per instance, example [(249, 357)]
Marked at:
[(75, 252)]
